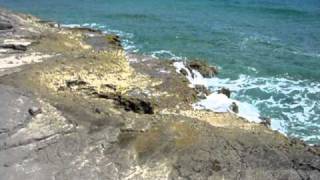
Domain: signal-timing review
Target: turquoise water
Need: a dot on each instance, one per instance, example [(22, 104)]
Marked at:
[(268, 50)]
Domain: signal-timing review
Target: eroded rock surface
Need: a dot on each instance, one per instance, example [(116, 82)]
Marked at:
[(109, 115)]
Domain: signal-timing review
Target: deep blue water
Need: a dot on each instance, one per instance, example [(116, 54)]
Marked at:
[(268, 50)]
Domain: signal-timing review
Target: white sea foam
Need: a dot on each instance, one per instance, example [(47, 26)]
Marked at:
[(217, 102), (194, 77), (284, 95), (289, 98)]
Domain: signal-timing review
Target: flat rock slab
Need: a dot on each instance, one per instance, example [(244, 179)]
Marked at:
[(14, 109)]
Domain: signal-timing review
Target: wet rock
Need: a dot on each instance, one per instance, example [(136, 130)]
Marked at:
[(265, 121), (234, 107), (17, 47), (203, 68), (184, 72), (225, 91), (34, 111)]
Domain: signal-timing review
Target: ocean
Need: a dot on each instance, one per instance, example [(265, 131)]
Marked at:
[(267, 51)]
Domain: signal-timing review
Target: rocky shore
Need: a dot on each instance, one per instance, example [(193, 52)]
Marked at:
[(74, 105)]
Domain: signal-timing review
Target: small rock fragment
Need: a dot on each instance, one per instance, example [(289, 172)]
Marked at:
[(34, 111), (234, 107), (97, 110)]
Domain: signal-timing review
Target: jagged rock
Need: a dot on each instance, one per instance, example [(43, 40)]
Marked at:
[(225, 91), (203, 68)]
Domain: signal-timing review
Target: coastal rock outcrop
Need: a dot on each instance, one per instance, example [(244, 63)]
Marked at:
[(203, 68), (110, 115)]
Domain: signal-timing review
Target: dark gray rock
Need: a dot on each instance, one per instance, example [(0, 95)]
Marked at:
[(234, 107), (225, 91), (184, 72), (34, 111)]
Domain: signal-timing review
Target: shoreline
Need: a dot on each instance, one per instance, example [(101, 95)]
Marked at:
[(96, 114)]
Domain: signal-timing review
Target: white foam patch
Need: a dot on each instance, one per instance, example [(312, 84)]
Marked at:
[(194, 77), (221, 103), (218, 102)]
